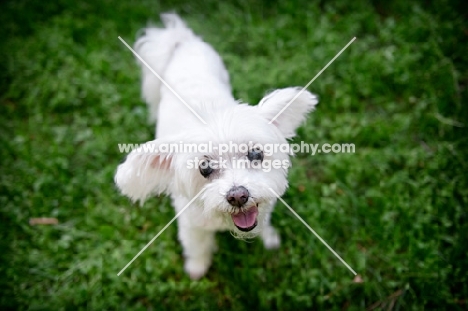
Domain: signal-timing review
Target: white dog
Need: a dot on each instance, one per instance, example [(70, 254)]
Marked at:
[(228, 196)]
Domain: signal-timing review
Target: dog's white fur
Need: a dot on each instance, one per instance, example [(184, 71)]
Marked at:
[(196, 72)]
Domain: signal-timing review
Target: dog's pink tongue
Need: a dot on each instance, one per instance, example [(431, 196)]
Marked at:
[(246, 219)]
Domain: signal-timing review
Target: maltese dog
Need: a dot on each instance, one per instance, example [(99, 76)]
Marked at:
[(218, 170)]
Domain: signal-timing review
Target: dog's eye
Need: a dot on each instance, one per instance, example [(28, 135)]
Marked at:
[(255, 154), (205, 168)]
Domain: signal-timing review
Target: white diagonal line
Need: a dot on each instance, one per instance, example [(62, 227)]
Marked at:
[(312, 230), (310, 82), (162, 80), (159, 233)]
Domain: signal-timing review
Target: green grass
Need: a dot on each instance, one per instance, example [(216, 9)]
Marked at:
[(395, 210)]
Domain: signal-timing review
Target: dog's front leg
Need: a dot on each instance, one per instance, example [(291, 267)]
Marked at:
[(270, 237), (198, 246)]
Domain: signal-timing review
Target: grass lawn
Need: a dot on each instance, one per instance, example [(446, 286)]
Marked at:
[(395, 210)]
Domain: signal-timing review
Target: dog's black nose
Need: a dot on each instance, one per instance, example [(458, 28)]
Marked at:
[(237, 196)]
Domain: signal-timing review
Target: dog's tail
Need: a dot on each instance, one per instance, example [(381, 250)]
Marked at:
[(156, 47)]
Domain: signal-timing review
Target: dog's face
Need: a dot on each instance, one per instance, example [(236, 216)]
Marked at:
[(227, 160)]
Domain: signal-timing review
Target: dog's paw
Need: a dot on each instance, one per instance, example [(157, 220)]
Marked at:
[(271, 238), (196, 268)]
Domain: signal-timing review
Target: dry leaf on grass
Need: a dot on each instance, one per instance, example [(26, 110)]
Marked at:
[(43, 221), (358, 279)]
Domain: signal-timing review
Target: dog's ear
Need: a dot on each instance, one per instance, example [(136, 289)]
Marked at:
[(287, 108), (145, 171)]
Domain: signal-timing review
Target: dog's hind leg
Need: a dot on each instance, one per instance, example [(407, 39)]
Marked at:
[(156, 46)]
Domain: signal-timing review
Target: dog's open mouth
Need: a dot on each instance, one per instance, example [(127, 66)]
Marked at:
[(246, 221)]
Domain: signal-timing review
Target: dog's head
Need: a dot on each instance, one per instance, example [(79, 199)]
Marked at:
[(235, 161)]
